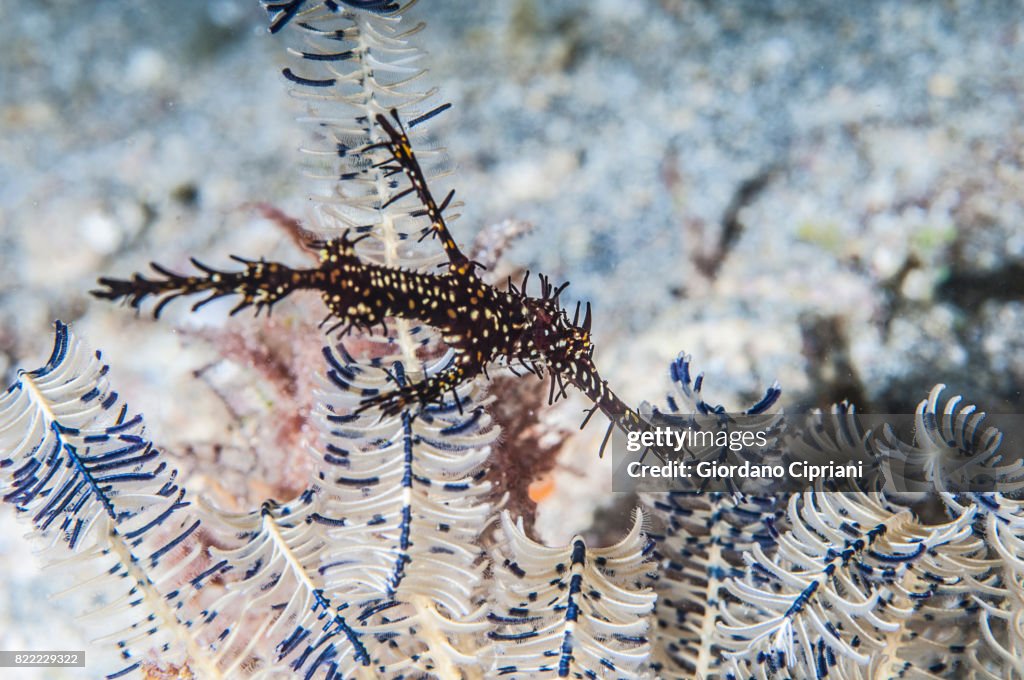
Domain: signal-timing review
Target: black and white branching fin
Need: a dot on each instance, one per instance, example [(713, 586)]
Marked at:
[(572, 611), (853, 584), (77, 465), (689, 395), (409, 507), (348, 66), (317, 587), (994, 640), (844, 590), (402, 486), (279, 603), (958, 446), (699, 545), (856, 584), (700, 538), (952, 448), (282, 12), (687, 403), (105, 504)]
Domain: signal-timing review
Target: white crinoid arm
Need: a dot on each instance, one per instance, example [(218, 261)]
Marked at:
[(106, 505), (571, 611)]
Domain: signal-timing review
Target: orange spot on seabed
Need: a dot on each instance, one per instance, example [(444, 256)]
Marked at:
[(541, 489)]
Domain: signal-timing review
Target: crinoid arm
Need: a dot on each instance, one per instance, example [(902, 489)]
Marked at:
[(283, 12)]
